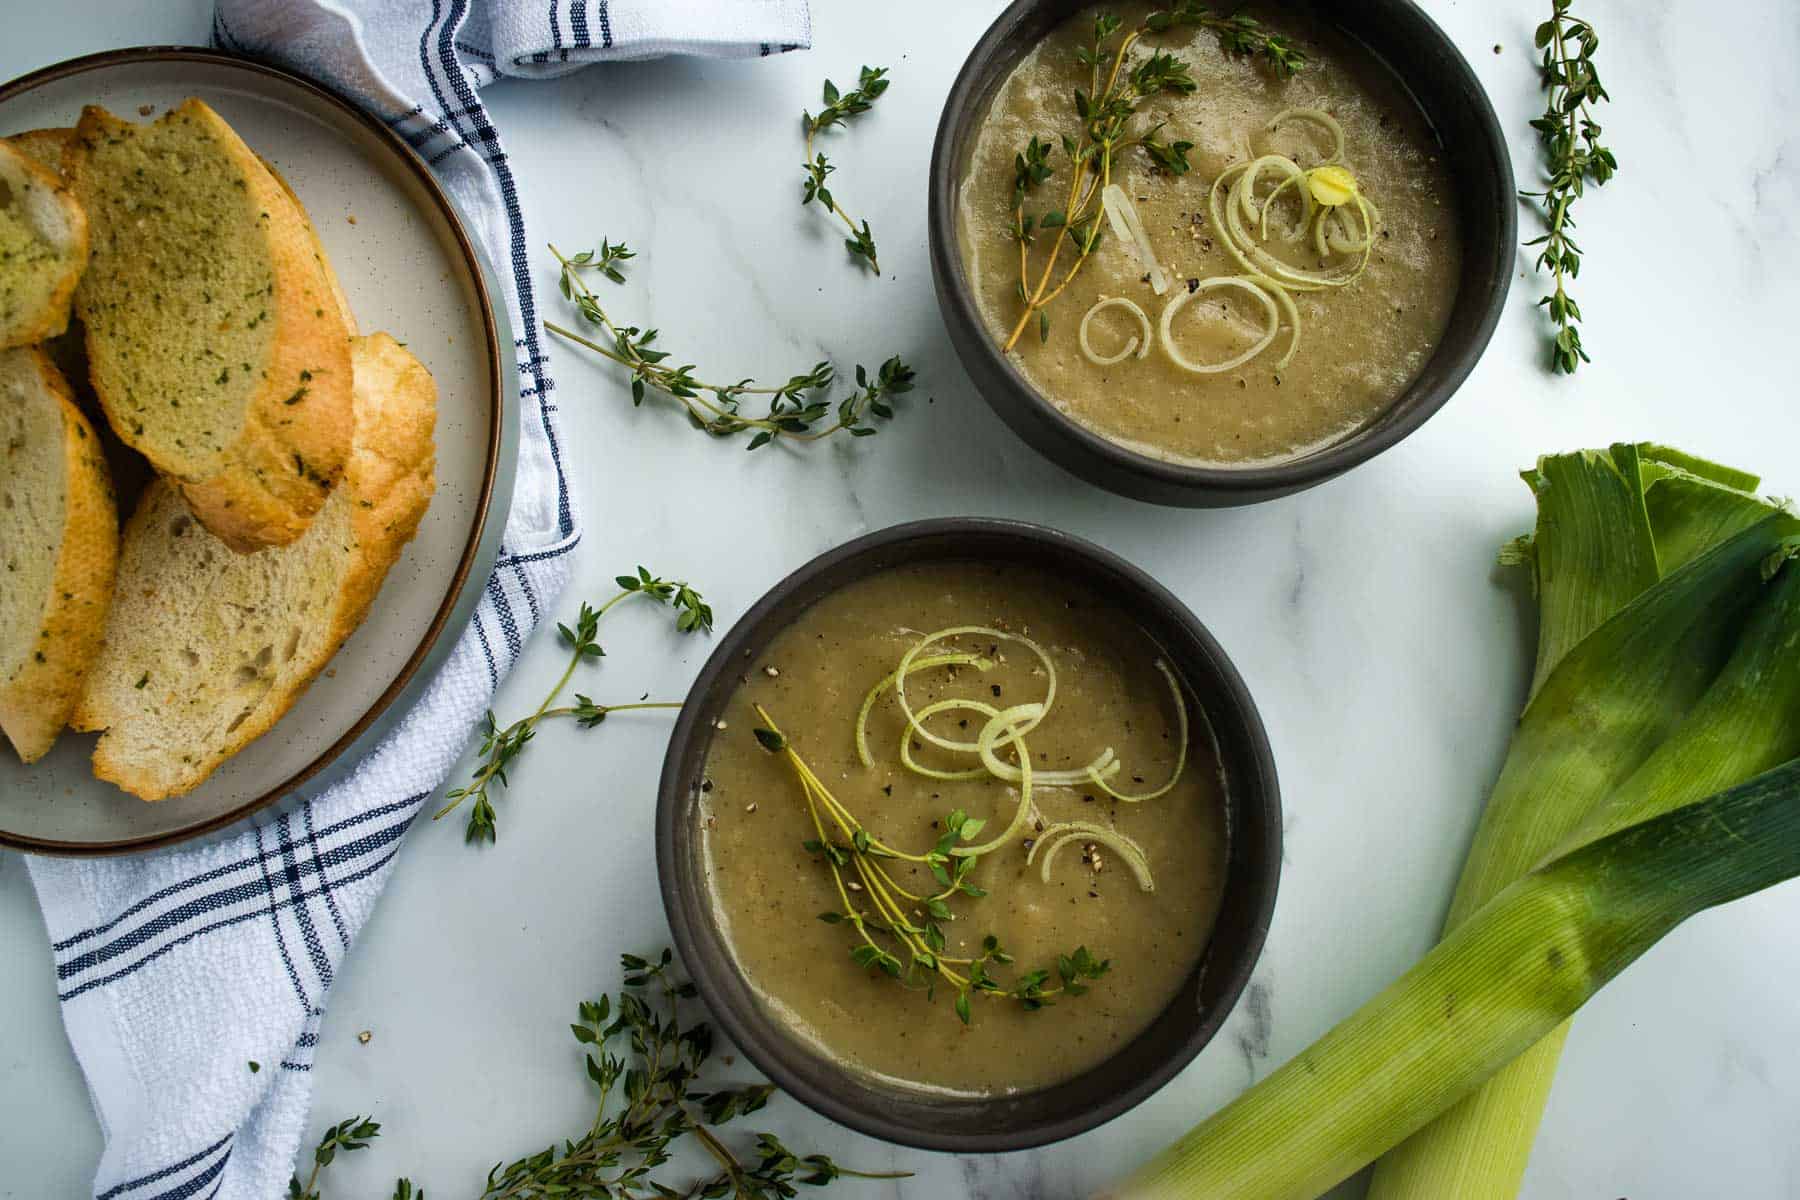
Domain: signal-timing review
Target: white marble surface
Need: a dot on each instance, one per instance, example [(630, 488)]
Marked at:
[(1385, 651)]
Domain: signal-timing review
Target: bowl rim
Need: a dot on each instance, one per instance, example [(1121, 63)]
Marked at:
[(760, 1037), (963, 105), (481, 548)]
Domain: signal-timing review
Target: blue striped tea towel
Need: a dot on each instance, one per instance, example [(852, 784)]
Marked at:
[(177, 969)]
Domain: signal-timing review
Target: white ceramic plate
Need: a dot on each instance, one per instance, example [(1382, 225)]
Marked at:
[(409, 267)]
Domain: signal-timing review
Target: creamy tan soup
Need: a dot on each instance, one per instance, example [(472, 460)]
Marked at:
[(769, 889), (1359, 345)]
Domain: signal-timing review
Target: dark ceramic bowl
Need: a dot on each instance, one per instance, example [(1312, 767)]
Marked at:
[(980, 1125), (1449, 95)]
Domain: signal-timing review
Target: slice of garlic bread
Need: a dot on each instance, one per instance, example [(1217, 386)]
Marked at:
[(45, 147), (206, 649), (43, 248), (59, 542), (214, 340)]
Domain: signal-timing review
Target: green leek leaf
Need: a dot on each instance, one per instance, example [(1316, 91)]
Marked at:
[(1505, 978)]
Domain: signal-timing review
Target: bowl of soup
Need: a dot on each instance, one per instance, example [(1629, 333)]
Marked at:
[(969, 835), (1201, 268)]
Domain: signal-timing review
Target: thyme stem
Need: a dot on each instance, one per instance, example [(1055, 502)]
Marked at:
[(795, 407), (838, 110), (1573, 157), (501, 747)]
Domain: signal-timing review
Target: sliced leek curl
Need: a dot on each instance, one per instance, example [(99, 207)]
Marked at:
[(1005, 728), (1140, 342), (1326, 195), (1269, 294), (1056, 836), (1317, 116)]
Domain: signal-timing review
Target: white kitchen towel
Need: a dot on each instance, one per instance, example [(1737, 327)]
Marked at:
[(193, 980)]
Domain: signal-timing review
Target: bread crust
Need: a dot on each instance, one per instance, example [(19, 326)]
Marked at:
[(53, 318), (36, 705), (392, 471), (274, 476), (318, 244), (88, 715), (387, 486), (45, 146)]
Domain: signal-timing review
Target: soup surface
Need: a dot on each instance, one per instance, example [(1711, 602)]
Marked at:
[(1360, 345), (768, 889)]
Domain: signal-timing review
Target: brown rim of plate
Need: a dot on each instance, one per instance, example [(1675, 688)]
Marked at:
[(472, 258)]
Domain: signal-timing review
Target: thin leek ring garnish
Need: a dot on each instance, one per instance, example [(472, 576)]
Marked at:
[(1013, 722), (1239, 283), (1244, 195), (1318, 116), (1141, 344), (1231, 202), (931, 710), (1181, 746), (1056, 836), (1105, 766), (905, 669), (1002, 728), (1292, 312), (1226, 203), (923, 664)]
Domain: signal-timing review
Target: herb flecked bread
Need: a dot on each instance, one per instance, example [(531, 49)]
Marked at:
[(59, 541), (215, 342), (206, 649), (45, 147), (43, 247)]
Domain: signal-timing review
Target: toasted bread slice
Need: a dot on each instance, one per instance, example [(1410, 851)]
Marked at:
[(46, 147), (214, 341), (59, 543), (43, 249), (206, 649)]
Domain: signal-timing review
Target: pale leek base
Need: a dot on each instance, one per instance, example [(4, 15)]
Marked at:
[(1484, 1141)]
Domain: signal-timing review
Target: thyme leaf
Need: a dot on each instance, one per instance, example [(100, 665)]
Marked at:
[(1573, 158), (501, 746)]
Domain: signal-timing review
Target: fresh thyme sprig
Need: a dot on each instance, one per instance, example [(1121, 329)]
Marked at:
[(501, 747), (1118, 87), (350, 1134), (910, 923), (1573, 158), (837, 111), (605, 260), (645, 1107), (795, 407), (661, 1105)]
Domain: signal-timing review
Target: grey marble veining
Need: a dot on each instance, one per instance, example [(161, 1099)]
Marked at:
[(1387, 652)]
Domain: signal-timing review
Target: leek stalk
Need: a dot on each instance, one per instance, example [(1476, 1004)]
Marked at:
[(1608, 704), (1747, 722), (1502, 980), (1668, 671), (1725, 713)]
